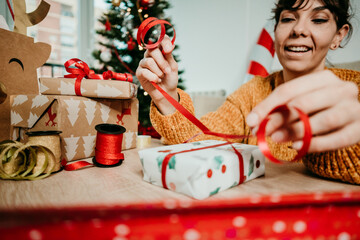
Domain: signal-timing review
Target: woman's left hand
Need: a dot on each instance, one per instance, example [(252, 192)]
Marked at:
[(331, 103)]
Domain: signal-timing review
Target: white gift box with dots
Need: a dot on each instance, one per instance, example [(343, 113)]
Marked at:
[(202, 173)]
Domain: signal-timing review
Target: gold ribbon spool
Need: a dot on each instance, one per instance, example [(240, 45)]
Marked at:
[(50, 140), (143, 141)]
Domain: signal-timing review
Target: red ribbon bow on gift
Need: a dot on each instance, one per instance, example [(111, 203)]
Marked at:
[(82, 70)]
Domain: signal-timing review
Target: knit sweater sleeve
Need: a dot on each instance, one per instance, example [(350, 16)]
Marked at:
[(228, 118), (342, 164)]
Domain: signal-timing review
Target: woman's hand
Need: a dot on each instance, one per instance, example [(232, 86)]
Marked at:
[(159, 66), (331, 103)]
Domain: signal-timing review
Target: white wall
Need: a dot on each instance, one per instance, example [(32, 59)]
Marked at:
[(215, 39)]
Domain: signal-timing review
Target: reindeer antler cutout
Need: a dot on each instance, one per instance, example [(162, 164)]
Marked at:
[(24, 20)]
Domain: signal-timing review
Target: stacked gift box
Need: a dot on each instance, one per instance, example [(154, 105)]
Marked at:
[(58, 108)]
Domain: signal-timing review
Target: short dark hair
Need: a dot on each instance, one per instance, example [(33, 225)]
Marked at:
[(341, 10)]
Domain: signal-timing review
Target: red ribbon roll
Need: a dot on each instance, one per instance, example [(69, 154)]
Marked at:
[(107, 150), (146, 25), (108, 145)]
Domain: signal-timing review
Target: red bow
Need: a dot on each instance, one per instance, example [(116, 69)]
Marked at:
[(80, 71)]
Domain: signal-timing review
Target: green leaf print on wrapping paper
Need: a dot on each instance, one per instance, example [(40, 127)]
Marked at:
[(195, 143), (172, 163), (251, 165), (215, 191), (218, 161), (159, 160)]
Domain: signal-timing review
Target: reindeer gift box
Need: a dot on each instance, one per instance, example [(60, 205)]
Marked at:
[(24, 109)]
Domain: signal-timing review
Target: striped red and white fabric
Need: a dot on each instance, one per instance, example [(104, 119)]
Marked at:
[(262, 55)]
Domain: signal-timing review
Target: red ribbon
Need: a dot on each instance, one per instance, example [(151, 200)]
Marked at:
[(117, 76), (107, 151), (10, 9), (82, 70), (108, 148), (146, 25), (170, 155), (284, 109)]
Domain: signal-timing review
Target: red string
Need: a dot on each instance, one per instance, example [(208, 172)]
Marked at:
[(146, 25), (122, 62), (10, 9)]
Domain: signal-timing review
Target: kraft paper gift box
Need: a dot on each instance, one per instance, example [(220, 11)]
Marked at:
[(76, 117), (202, 173), (95, 88)]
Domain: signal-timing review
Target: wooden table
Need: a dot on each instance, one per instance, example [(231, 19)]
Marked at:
[(119, 196)]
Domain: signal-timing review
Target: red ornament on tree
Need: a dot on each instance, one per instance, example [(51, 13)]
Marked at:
[(131, 44), (147, 3)]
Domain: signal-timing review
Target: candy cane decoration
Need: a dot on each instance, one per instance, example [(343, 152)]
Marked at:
[(262, 55)]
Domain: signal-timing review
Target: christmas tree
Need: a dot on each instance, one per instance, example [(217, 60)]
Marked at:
[(119, 51)]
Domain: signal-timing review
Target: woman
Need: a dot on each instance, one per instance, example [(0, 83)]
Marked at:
[(305, 31)]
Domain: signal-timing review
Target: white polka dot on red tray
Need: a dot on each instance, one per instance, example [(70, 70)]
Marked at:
[(347, 194), (185, 203), (191, 234), (279, 226), (122, 229), (239, 221), (344, 236), (318, 196), (255, 199), (170, 203), (35, 234), (275, 197), (174, 218), (97, 223), (299, 227), (120, 238), (358, 213)]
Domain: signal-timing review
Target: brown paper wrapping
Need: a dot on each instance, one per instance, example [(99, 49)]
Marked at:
[(76, 117), (95, 88)]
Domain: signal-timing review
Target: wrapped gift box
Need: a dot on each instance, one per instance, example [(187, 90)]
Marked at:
[(204, 172), (76, 117), (112, 89)]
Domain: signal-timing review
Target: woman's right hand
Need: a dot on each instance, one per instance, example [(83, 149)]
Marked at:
[(159, 66)]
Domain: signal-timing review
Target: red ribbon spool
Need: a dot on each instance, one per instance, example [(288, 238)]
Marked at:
[(108, 145)]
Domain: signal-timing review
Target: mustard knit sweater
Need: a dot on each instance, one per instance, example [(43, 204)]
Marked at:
[(342, 164)]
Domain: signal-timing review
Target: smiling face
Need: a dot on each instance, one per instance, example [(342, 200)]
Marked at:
[(304, 36)]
